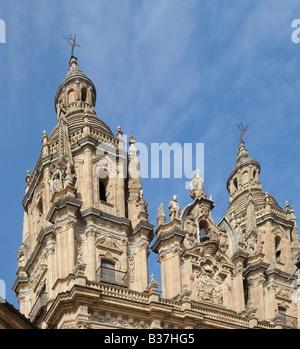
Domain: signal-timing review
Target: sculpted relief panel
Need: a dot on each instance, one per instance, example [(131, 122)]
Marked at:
[(209, 285)]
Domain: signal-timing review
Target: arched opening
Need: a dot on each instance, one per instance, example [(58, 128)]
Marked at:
[(277, 249), (254, 174), (40, 207), (71, 96), (102, 191), (83, 94), (203, 233), (245, 177), (235, 183)]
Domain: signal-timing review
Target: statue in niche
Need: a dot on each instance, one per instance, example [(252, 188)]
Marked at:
[(55, 179), (253, 245), (61, 176), (161, 215), (223, 241), (174, 209), (196, 186), (70, 176)]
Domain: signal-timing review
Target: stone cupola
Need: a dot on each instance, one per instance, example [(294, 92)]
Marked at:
[(244, 175), (76, 93)]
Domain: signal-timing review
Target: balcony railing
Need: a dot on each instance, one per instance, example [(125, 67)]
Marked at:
[(112, 276), (288, 321), (38, 307)]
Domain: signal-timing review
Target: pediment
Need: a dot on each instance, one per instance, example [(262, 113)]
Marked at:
[(108, 242)]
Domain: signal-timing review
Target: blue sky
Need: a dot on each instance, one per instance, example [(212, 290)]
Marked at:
[(170, 71)]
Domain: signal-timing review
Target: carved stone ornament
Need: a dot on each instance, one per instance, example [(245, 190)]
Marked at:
[(131, 269), (253, 244), (209, 285), (161, 215), (108, 242), (174, 209), (61, 176), (141, 203), (196, 186)]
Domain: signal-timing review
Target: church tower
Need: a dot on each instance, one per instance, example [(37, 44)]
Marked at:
[(83, 262), (85, 220), (263, 240)]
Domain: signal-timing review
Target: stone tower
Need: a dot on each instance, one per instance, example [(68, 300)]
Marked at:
[(83, 262), (85, 220), (262, 240)]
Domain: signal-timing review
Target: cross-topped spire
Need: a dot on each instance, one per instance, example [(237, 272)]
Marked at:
[(72, 42), (242, 131)]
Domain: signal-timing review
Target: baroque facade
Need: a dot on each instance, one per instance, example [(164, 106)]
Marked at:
[(83, 262)]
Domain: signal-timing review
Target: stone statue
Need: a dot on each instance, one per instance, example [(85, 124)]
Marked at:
[(223, 241), (55, 180), (174, 209), (254, 245), (21, 256), (60, 108), (196, 186), (70, 176), (161, 216), (141, 202)]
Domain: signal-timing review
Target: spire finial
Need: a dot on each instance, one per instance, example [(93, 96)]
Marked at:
[(72, 42), (243, 130)]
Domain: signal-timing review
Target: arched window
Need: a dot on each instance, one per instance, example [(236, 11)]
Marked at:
[(245, 177), (40, 210), (71, 96), (102, 191), (277, 249), (235, 183), (83, 94), (203, 233)]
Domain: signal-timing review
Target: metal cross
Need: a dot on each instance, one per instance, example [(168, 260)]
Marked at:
[(242, 130), (72, 42)]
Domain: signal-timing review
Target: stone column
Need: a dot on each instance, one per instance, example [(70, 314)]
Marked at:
[(71, 245), (59, 252), (170, 273), (238, 291), (47, 190), (142, 263), (50, 255), (87, 189), (90, 255), (257, 295)]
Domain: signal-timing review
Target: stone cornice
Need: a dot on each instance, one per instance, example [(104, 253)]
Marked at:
[(167, 236), (101, 214), (258, 267), (61, 203), (275, 218), (278, 272)]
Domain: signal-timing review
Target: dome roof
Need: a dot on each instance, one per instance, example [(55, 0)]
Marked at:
[(76, 98), (244, 186), (74, 75), (242, 160)]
